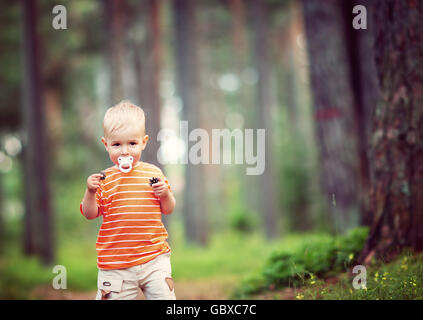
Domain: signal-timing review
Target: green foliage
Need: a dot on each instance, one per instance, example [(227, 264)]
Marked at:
[(243, 220), (18, 275), (319, 255), (398, 280)]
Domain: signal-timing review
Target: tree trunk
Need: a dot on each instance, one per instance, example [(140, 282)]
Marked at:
[(2, 206), (238, 36), (148, 76), (397, 132), (293, 168), (195, 219), (38, 232), (115, 19), (363, 77), (266, 107), (334, 105)]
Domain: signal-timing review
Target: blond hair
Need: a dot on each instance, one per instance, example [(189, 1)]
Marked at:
[(121, 115)]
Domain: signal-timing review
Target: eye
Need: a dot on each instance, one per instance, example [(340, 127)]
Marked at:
[(116, 144), (133, 143)]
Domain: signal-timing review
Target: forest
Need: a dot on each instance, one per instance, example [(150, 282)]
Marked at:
[(290, 131)]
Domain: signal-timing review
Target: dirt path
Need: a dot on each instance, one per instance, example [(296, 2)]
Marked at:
[(204, 289)]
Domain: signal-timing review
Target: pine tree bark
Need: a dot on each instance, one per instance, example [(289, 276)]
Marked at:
[(365, 88), (397, 132), (334, 115), (38, 224)]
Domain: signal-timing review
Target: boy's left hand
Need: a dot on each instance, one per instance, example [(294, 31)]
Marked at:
[(160, 189)]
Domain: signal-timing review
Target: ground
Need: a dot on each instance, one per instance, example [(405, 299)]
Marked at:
[(203, 289)]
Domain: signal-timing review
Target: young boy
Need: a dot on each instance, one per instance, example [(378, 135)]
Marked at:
[(131, 245)]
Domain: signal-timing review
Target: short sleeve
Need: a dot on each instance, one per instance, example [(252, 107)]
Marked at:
[(100, 201)]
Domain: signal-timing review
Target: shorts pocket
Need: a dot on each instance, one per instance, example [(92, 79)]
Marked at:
[(113, 285)]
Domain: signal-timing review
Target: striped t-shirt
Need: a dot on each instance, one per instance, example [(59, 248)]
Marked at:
[(132, 231)]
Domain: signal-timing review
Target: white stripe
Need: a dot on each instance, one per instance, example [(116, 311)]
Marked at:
[(111, 174), (137, 240), (130, 192), (154, 173), (147, 245), (130, 227), (120, 262), (116, 214), (136, 205), (126, 254), (131, 199), (122, 177), (127, 184), (131, 234), (132, 220)]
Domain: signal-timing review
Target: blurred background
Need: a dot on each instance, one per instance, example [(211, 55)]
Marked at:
[(295, 68)]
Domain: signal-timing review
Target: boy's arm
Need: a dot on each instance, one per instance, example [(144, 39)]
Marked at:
[(167, 202), (89, 205)]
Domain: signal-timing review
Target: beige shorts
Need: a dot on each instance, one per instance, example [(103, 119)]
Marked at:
[(154, 278)]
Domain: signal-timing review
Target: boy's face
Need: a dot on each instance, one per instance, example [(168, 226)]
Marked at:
[(127, 142)]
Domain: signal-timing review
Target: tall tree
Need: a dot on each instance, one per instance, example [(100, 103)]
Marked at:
[(334, 110), (397, 131), (115, 23), (184, 20), (148, 59), (294, 168), (365, 87), (265, 109), (38, 231)]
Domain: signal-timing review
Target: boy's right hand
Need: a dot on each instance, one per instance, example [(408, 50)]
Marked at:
[(93, 182)]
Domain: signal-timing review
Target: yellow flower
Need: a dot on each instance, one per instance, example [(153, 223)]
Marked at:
[(313, 282), (299, 296), (351, 256)]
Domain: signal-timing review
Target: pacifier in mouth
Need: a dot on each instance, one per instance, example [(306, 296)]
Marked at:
[(125, 163)]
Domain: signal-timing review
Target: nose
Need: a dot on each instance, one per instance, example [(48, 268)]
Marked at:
[(124, 150)]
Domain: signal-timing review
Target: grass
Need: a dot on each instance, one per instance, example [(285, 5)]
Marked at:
[(318, 254), (230, 254), (400, 279)]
